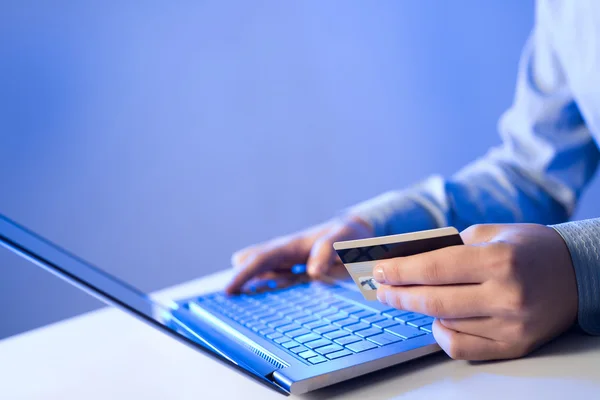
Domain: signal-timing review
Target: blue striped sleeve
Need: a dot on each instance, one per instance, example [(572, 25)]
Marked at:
[(583, 240)]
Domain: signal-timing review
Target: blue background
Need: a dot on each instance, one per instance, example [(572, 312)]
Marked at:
[(155, 140)]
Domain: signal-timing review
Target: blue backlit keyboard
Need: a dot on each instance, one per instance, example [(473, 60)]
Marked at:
[(315, 323)]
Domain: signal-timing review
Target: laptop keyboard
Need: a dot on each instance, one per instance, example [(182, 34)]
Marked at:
[(317, 324)]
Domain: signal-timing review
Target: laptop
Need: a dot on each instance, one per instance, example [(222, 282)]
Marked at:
[(292, 338)]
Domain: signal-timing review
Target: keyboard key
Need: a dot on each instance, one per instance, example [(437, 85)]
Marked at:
[(263, 314), (345, 322), (305, 302), (289, 293), (384, 338), (404, 331), (377, 307), (296, 315), (316, 324), (274, 335), (301, 349), (282, 339), (351, 309), (338, 354), (385, 323), (307, 338), (335, 317), (417, 323), (324, 329), (315, 344), (266, 332), (332, 348), (317, 308), (253, 309), (272, 318), (279, 307), (395, 313), (327, 311), (260, 327), (345, 305), (365, 333), (290, 344), (277, 324), (287, 328), (305, 320), (271, 302), (372, 319), (317, 360), (347, 340), (297, 332), (288, 310), (404, 318), (252, 324), (307, 354), (338, 302), (357, 327), (316, 299), (426, 328), (362, 314), (336, 334), (363, 345)]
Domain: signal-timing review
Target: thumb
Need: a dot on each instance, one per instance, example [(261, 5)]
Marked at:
[(321, 257)]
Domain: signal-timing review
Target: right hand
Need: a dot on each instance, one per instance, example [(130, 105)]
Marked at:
[(313, 247)]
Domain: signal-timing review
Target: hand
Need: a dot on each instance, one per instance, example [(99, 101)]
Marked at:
[(313, 247), (507, 291)]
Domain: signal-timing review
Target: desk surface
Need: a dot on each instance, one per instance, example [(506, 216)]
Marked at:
[(107, 354)]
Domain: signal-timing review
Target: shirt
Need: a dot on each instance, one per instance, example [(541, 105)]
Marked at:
[(548, 155)]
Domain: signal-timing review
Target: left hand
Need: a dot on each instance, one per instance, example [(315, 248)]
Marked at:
[(507, 291)]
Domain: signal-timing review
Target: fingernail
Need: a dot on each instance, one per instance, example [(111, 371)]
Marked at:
[(378, 274)]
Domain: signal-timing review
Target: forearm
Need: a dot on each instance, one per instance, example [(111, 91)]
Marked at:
[(401, 211), (486, 191), (500, 188), (583, 240)]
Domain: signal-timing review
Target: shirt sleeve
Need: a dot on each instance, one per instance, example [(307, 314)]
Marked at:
[(546, 159), (583, 240)]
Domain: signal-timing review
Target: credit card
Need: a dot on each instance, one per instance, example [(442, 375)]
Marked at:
[(361, 256)]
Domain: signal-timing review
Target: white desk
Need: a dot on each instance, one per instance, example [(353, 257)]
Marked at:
[(110, 355)]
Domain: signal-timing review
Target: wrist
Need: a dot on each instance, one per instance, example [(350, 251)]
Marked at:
[(361, 222)]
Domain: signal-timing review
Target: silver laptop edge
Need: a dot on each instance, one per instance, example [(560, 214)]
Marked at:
[(220, 338)]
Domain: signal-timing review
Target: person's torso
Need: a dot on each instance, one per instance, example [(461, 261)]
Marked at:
[(574, 30)]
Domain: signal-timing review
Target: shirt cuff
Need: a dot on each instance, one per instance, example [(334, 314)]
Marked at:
[(583, 240)]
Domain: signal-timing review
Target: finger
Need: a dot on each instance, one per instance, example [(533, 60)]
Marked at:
[(496, 328), (450, 265), (453, 301), (239, 257), (486, 327), (321, 257), (462, 346), (278, 255)]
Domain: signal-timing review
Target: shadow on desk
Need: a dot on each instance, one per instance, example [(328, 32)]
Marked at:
[(554, 361), (571, 343)]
